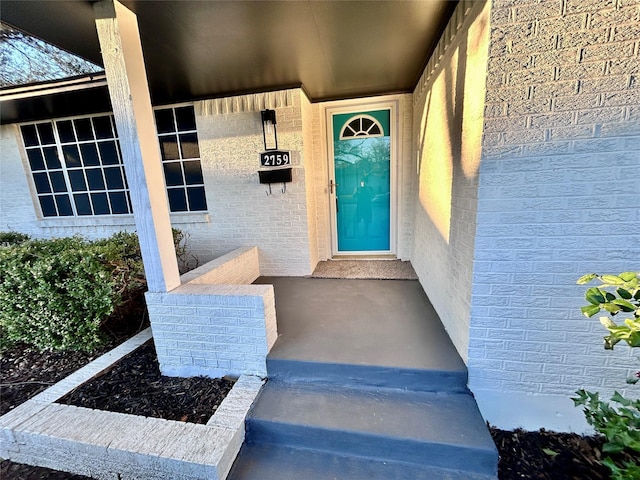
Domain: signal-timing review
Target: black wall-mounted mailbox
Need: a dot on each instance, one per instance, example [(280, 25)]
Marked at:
[(280, 175)]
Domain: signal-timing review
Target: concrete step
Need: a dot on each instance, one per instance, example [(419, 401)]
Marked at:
[(376, 376), (279, 462), (420, 428)]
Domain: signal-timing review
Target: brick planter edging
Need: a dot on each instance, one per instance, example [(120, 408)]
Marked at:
[(110, 445)]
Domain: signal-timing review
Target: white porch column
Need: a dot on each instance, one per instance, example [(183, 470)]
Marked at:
[(129, 91)]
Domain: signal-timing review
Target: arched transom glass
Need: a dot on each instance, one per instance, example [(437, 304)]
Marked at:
[(361, 126)]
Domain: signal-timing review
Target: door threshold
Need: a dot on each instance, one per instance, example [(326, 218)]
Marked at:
[(389, 256)]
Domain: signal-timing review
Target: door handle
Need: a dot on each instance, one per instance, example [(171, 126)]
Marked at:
[(331, 185)]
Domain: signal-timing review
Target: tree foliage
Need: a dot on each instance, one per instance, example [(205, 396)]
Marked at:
[(26, 59)]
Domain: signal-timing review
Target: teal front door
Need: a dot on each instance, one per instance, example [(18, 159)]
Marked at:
[(361, 164)]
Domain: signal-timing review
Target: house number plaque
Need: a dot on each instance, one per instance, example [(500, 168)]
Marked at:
[(275, 158)]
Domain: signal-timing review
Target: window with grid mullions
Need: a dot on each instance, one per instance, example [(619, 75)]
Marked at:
[(178, 139), (76, 167)]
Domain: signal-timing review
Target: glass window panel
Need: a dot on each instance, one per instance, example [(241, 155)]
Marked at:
[(108, 153), (89, 154), (65, 131), (94, 178), (83, 129), (35, 159), (173, 174), (185, 118), (57, 182), (71, 156), (29, 135), (51, 157), (118, 202), (45, 130), (177, 200), (113, 177), (83, 205), (48, 206), (169, 147), (197, 199), (100, 203), (189, 145), (41, 181), (164, 121), (193, 172), (76, 177), (102, 127), (64, 205)]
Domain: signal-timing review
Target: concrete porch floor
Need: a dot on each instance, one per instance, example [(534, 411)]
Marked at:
[(384, 323)]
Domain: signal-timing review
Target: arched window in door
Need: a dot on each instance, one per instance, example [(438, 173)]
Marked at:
[(361, 126)]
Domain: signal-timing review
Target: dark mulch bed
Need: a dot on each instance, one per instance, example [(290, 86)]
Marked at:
[(547, 455), (134, 385)]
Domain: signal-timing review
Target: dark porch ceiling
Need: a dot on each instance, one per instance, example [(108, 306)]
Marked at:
[(204, 49)]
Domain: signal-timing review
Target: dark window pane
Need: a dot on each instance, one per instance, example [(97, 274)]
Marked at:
[(375, 130), (173, 174), (100, 204), (41, 181), (64, 205), (76, 177), (71, 156), (65, 131), (185, 118), (177, 200), (108, 153), (29, 135), (118, 202), (51, 157), (45, 130), (102, 127), (94, 179), (113, 176), (164, 121), (57, 182), (169, 147), (193, 172), (83, 206), (35, 159), (197, 199), (48, 206), (83, 129), (89, 155), (189, 145)]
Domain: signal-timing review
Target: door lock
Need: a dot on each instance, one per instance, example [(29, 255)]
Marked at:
[(331, 185)]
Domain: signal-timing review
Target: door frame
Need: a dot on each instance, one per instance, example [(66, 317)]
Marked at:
[(391, 103)]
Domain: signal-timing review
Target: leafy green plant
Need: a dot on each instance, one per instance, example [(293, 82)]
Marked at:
[(619, 419), (12, 238), (54, 294)]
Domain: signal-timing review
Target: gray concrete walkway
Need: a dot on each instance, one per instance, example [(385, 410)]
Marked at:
[(364, 322), (386, 323)]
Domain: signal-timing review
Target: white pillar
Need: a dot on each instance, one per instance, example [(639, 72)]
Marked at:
[(129, 91)]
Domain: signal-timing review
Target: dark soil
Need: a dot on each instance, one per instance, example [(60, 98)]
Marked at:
[(547, 455), (134, 385)]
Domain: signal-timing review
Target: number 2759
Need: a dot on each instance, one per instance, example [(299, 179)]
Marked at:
[(275, 159)]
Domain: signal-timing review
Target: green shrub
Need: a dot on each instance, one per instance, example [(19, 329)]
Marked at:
[(12, 238), (54, 294), (618, 420), (65, 293)]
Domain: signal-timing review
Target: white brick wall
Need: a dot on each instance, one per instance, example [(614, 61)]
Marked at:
[(558, 197), (213, 330), (447, 127), (241, 213)]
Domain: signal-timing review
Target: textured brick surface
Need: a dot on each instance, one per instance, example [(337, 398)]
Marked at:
[(447, 130), (556, 199)]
